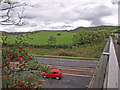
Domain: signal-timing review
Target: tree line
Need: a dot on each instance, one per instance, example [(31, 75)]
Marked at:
[(84, 37)]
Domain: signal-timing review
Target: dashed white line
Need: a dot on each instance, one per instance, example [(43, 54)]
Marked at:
[(76, 75)]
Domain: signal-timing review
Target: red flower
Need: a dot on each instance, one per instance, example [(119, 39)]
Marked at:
[(5, 43), (10, 54), (40, 82), (8, 65), (2, 49), (22, 64), (25, 88), (1, 76), (21, 84), (16, 87), (18, 59), (29, 81), (33, 77), (31, 58), (12, 82), (38, 87), (26, 61), (11, 58), (21, 56), (20, 50)]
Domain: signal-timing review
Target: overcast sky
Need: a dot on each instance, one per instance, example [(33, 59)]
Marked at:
[(66, 14)]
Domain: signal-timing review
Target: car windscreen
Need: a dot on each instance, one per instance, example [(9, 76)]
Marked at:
[(59, 71), (50, 72)]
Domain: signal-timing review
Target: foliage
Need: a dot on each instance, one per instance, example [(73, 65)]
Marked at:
[(108, 28), (51, 40), (84, 37), (93, 50), (16, 64), (58, 34), (117, 31), (63, 52)]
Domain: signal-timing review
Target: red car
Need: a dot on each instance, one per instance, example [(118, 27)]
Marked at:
[(54, 73)]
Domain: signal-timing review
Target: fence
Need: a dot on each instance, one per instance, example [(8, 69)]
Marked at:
[(107, 72), (99, 76), (113, 68)]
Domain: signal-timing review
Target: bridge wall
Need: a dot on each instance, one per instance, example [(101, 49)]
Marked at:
[(99, 76)]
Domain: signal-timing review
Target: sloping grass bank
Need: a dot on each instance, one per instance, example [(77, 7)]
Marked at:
[(87, 51), (66, 57)]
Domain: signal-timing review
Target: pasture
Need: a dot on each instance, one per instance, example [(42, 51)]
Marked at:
[(41, 37), (90, 50)]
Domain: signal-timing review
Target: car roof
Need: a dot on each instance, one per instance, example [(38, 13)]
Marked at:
[(54, 70)]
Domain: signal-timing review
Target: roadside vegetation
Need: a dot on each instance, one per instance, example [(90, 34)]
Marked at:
[(89, 44), (17, 64), (88, 50)]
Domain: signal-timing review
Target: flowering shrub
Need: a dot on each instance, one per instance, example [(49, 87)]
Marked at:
[(16, 68)]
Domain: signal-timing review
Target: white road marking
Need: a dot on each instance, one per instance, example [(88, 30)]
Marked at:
[(76, 75), (74, 69), (77, 69), (60, 62), (68, 59)]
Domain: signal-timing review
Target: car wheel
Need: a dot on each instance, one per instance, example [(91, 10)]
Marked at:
[(57, 78), (44, 76)]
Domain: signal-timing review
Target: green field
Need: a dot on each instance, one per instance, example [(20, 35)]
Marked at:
[(41, 37), (65, 38)]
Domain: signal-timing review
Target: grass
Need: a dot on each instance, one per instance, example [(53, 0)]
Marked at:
[(113, 37), (66, 57), (41, 37), (88, 51)]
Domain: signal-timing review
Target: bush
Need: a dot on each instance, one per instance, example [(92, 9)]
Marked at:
[(51, 40), (65, 53), (18, 58), (84, 37)]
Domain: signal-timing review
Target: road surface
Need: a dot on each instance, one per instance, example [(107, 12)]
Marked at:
[(67, 81), (68, 62)]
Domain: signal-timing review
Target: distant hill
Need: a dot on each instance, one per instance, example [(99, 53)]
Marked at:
[(96, 28), (13, 33), (74, 30)]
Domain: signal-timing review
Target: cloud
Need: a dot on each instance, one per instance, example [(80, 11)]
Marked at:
[(68, 14), (115, 1)]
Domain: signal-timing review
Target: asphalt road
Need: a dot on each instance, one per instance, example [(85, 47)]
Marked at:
[(67, 81), (70, 79), (68, 62)]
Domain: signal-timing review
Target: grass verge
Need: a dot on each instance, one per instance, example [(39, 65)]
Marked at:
[(66, 57)]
